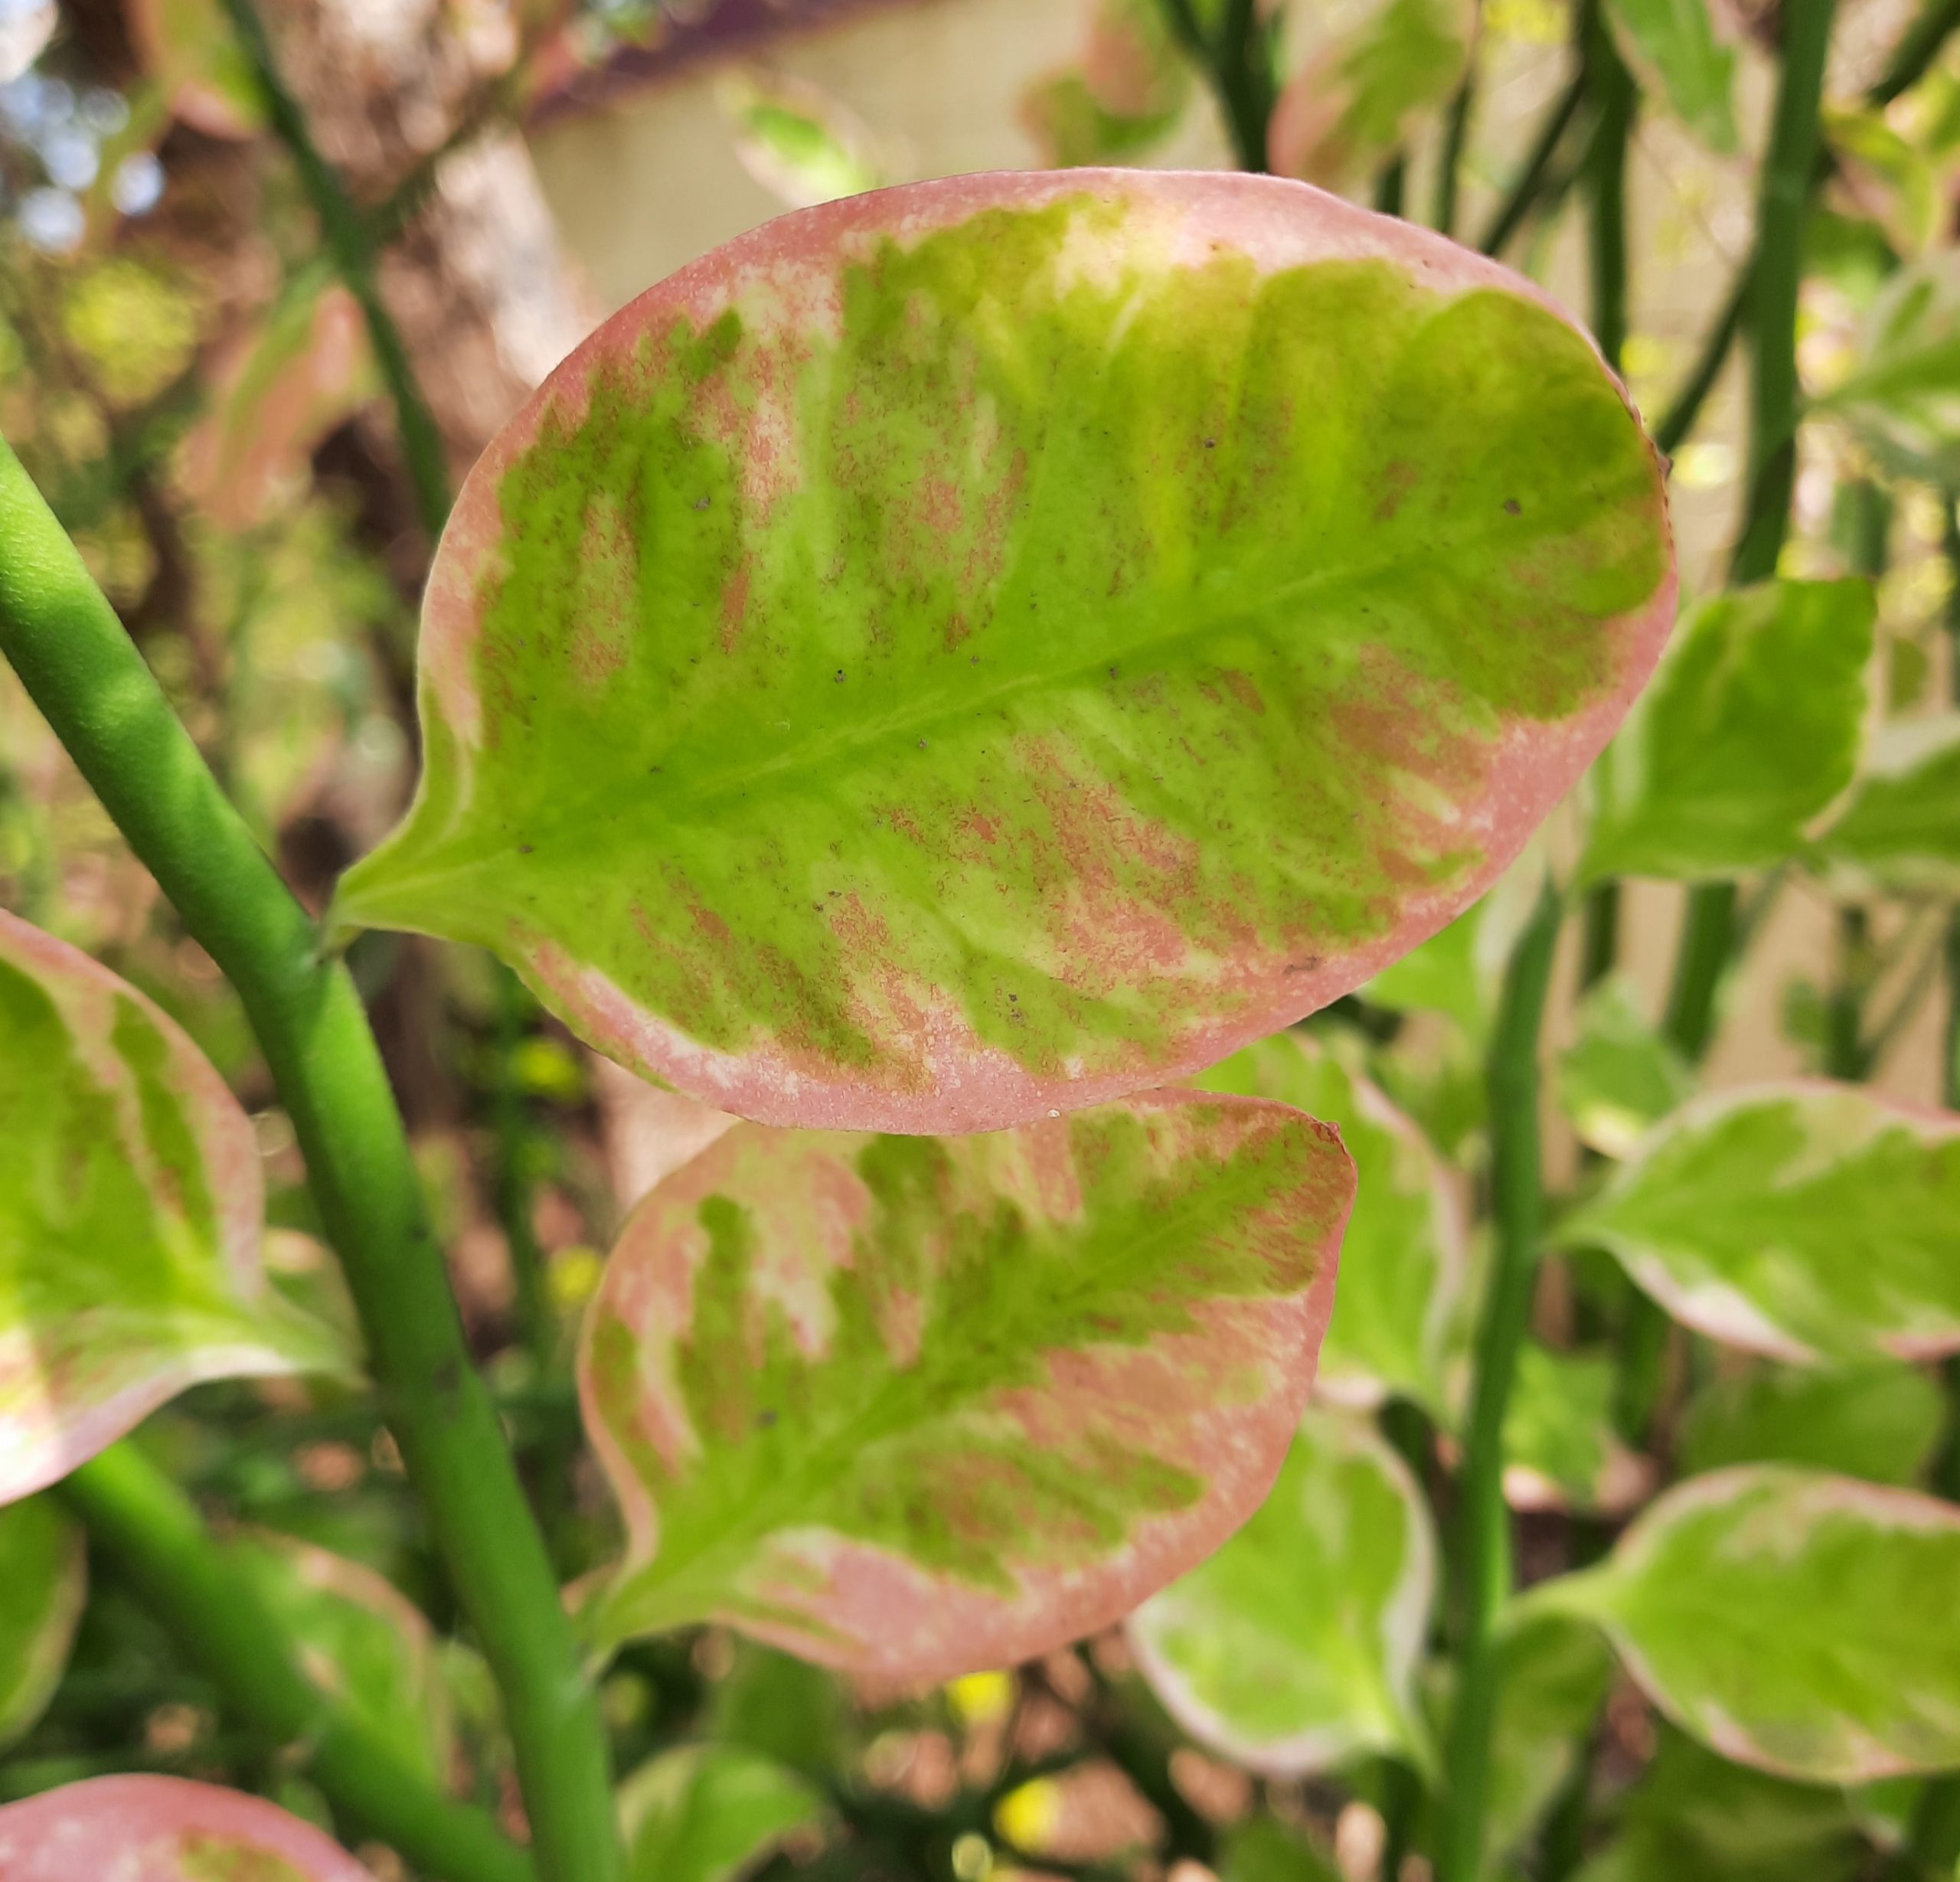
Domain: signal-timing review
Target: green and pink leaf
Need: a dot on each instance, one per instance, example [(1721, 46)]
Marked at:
[(990, 646), (163, 1829), (130, 1200), (917, 1407)]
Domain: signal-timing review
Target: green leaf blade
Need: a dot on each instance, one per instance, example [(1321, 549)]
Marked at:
[(1797, 1621), (993, 645), (710, 1813), (130, 1200), (922, 1406), (44, 1570), (1404, 1255), (1803, 1221), (1296, 1645), (1751, 729)]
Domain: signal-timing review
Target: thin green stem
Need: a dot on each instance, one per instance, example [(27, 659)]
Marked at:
[(1530, 181), (1392, 185), (143, 1523), (1484, 1563), (1613, 90), (1600, 945), (89, 681), (1701, 964), (345, 232), (1456, 133), (1237, 63), (1678, 420), (1915, 51)]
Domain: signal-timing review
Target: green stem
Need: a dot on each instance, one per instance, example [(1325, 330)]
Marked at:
[(1238, 64), (1612, 89), (1392, 185), (511, 1176), (1483, 1563), (91, 685), (1449, 160), (1782, 214), (1530, 178), (1701, 963), (1678, 420), (345, 232), (1600, 929), (142, 1522), (1915, 50)]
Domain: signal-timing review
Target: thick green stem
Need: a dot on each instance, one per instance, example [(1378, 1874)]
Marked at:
[(1612, 89), (1599, 946), (1530, 180), (89, 681), (143, 1524), (1484, 1564), (345, 232), (1701, 963)]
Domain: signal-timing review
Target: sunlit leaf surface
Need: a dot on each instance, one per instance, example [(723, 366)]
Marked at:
[(130, 1196), (921, 1407), (1296, 1645), (996, 645)]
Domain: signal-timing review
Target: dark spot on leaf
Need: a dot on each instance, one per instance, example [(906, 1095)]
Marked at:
[(1512, 506)]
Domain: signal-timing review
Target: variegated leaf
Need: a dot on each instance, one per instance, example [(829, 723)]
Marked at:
[(1792, 1620), (1675, 48), (163, 1829), (1297, 1645), (1125, 93), (130, 1196), (1900, 829), (1902, 394), (1751, 728), (1805, 1221), (996, 645), (44, 1581), (359, 1638), (918, 1407), (711, 1813), (1403, 1259)]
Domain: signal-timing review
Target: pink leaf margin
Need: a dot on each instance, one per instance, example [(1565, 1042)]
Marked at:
[(153, 1829), (793, 264)]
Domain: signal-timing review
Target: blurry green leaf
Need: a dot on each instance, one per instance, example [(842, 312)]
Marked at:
[(1552, 1677), (935, 1405), (1560, 1449), (1803, 1221), (1697, 1818), (781, 1707), (1403, 1256), (1885, 177), (1620, 1076), (188, 47), (710, 1813), (801, 144), (136, 324), (1902, 395), (1900, 830), (43, 1582), (1673, 48), (1374, 67), (1126, 93), (1793, 1620), (1296, 1645), (1262, 1849), (1750, 728), (362, 1639), (1877, 1421), (130, 1200)]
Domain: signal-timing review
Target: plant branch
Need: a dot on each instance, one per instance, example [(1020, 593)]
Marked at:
[(1531, 179), (147, 1526), (1455, 131), (1238, 63), (1484, 1565), (90, 682), (345, 232)]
